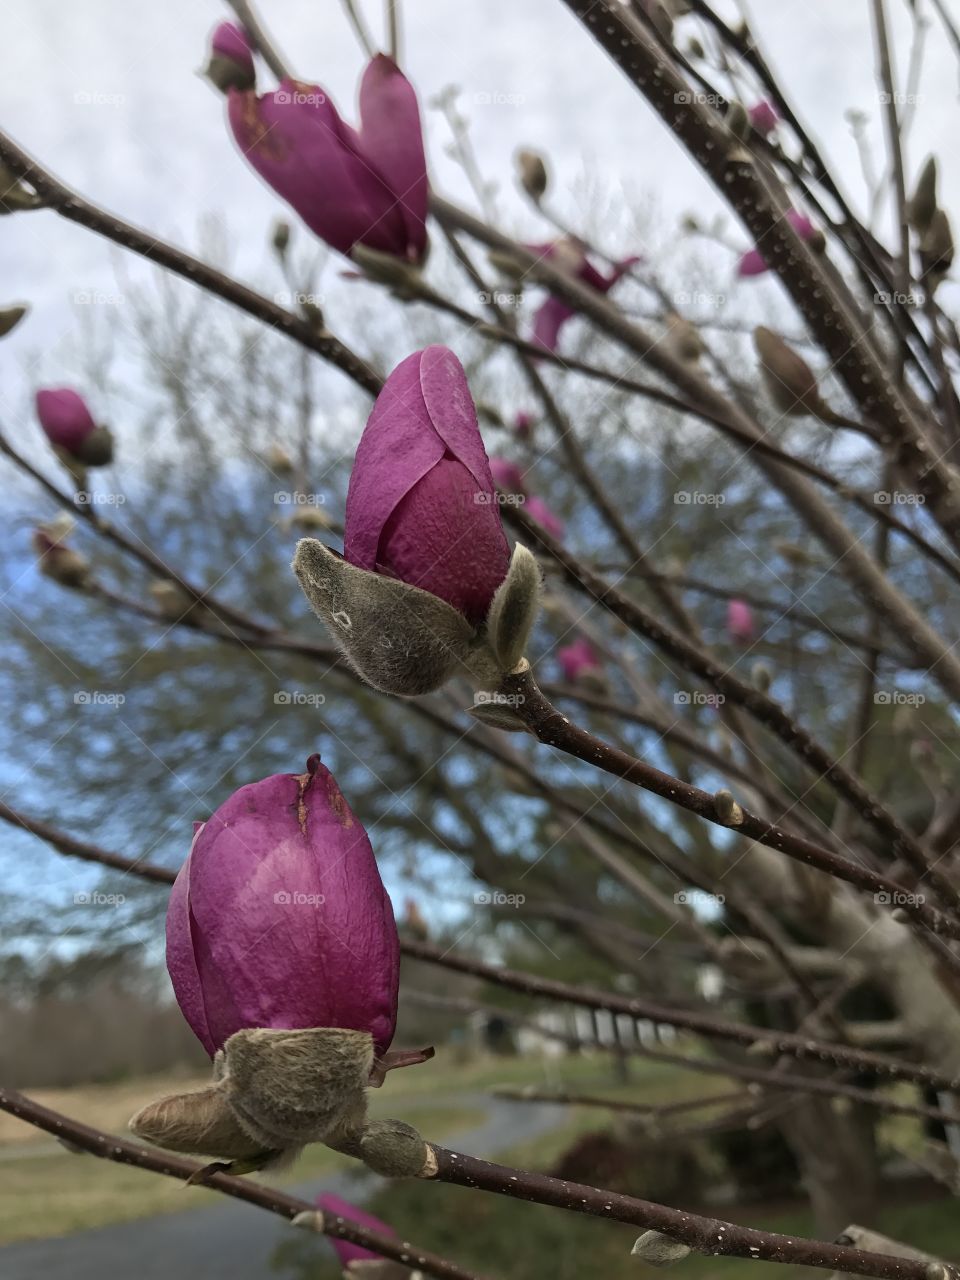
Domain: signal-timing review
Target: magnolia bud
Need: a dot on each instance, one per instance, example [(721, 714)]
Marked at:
[(532, 173), (288, 1088), (762, 676), (402, 278), (514, 609), (683, 339), (231, 59), (490, 710), (14, 196), (97, 449), (62, 564), (658, 1250), (309, 515), (399, 638), (923, 204), (196, 1123), (277, 459), (393, 1149), (10, 317), (727, 809), (789, 380), (281, 237), (737, 121), (936, 250)]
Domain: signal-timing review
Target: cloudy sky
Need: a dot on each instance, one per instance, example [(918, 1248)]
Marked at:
[(105, 94)]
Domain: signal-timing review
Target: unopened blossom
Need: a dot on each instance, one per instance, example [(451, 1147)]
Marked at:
[(335, 1206), (421, 505), (753, 263), (740, 624), (65, 418), (365, 186), (508, 475), (231, 58), (568, 256), (523, 424), (278, 919), (764, 117), (538, 510), (579, 659)]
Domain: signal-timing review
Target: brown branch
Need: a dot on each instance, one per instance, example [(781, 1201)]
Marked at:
[(122, 1151), (711, 1236)]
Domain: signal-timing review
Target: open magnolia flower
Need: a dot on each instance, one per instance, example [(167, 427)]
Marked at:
[(284, 957), (365, 186), (426, 586)]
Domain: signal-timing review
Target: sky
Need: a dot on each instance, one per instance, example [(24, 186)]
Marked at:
[(106, 94)]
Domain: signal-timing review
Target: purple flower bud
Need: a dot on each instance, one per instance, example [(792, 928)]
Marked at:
[(65, 418), (523, 424), (740, 625), (508, 475), (366, 186), (231, 58), (421, 505), (346, 1251), (538, 510), (278, 918), (753, 263), (764, 117), (578, 659), (566, 255), (230, 40)]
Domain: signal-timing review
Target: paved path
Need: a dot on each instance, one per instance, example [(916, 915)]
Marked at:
[(234, 1241)]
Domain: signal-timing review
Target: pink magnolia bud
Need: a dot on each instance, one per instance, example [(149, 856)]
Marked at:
[(764, 117), (753, 263), (231, 58), (523, 424), (65, 418), (335, 1206), (421, 505), (538, 510), (579, 659), (366, 186), (740, 624), (508, 475), (278, 898)]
